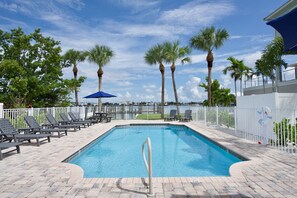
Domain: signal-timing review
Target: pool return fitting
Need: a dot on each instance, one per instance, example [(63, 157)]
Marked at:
[(148, 166)]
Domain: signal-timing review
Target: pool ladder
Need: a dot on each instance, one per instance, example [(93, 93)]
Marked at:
[(148, 166)]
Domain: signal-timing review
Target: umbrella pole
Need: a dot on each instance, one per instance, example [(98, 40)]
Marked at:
[(99, 105)]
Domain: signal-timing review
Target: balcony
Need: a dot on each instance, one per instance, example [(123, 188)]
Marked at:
[(286, 84)]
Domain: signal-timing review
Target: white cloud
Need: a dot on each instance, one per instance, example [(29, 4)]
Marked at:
[(250, 58), (75, 4), (149, 88), (253, 38), (198, 58), (142, 30), (136, 5), (145, 97), (226, 80), (12, 6), (197, 13), (191, 91), (11, 24)]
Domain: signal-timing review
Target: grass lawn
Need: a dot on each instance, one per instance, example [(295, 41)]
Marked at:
[(152, 116), (148, 117)]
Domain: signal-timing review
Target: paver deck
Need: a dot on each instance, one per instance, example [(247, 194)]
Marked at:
[(39, 172)]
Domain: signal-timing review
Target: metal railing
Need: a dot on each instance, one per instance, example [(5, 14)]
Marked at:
[(148, 165), (286, 75)]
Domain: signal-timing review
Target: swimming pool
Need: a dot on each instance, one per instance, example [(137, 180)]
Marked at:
[(177, 151)]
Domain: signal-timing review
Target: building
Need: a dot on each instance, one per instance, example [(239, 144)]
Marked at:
[(286, 80)]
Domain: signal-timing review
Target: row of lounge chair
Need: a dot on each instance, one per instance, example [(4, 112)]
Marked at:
[(173, 116), (12, 137)]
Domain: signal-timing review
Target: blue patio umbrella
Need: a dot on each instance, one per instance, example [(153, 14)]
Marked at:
[(286, 25), (100, 94)]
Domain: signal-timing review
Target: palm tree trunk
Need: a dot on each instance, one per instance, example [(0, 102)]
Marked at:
[(100, 74), (162, 70), (273, 85), (209, 59), (174, 88), (235, 87), (76, 92), (75, 70), (241, 86)]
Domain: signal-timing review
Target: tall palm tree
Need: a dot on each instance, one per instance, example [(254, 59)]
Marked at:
[(73, 57), (156, 55), (100, 55), (207, 40), (174, 52)]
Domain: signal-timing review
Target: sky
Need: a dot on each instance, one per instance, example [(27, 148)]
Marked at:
[(131, 27)]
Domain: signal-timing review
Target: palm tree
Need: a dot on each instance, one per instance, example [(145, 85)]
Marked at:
[(233, 68), (251, 75), (174, 52), (262, 69), (238, 69), (73, 57), (207, 40), (156, 55), (272, 55), (243, 71), (100, 55)]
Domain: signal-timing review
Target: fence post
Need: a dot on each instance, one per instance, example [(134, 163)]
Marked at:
[(126, 112), (235, 119), (147, 110), (115, 112), (54, 112), (30, 111), (1, 111), (205, 116), (217, 115), (197, 115)]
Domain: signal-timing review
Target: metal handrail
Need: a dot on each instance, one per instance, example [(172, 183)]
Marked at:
[(148, 166)]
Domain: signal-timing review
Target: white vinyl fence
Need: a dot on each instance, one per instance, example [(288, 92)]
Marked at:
[(274, 127)]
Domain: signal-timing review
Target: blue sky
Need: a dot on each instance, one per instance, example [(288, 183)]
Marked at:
[(131, 27)]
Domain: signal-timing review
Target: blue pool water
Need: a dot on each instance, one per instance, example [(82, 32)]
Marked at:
[(177, 152)]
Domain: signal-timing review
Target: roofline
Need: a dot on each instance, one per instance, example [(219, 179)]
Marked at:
[(285, 8)]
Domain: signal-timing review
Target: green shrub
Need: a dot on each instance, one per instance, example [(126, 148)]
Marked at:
[(284, 131)]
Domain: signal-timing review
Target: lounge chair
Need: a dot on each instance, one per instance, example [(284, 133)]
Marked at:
[(5, 145), (187, 116), (61, 124), (172, 115), (9, 132), (35, 127), (68, 121), (75, 119)]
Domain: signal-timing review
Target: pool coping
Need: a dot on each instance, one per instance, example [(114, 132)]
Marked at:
[(235, 169)]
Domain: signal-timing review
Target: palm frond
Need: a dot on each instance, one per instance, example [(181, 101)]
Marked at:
[(101, 55)]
